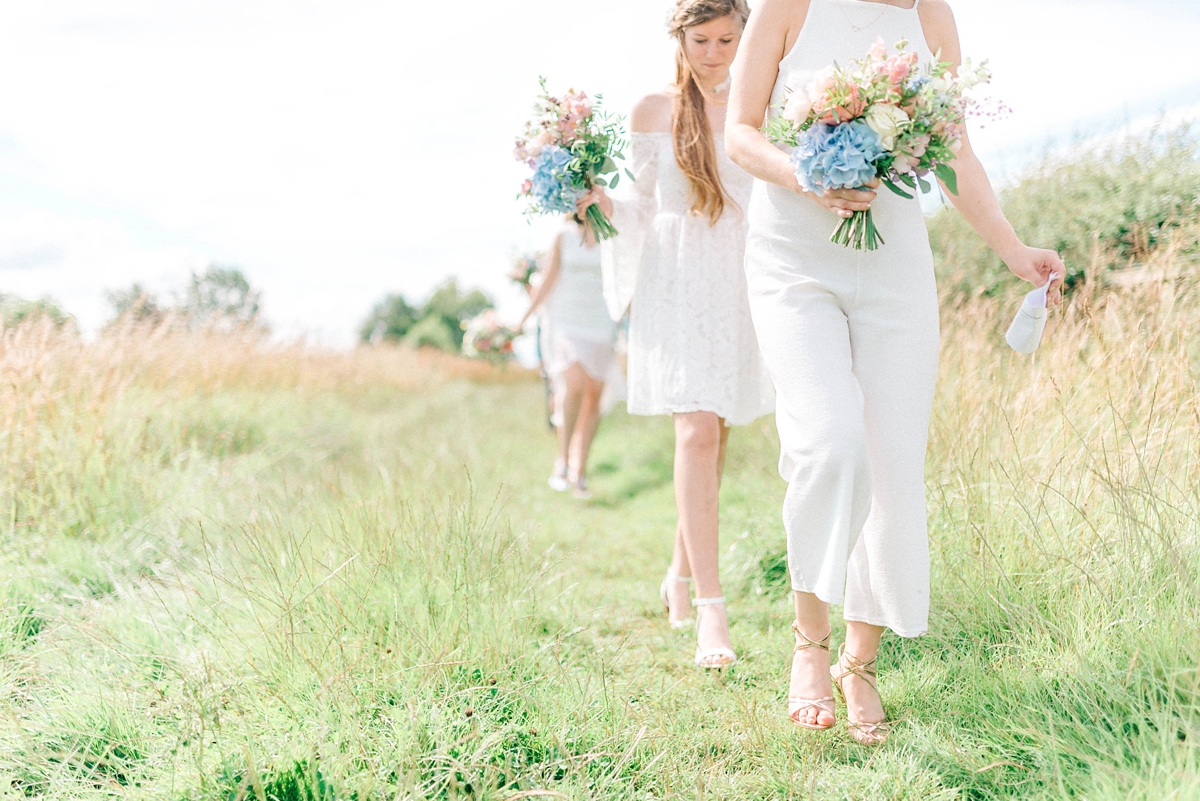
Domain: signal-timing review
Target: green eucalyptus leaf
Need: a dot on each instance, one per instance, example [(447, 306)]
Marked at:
[(892, 186), (947, 176)]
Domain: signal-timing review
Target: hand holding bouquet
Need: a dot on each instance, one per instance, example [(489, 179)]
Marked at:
[(485, 338), (881, 118), (570, 146)]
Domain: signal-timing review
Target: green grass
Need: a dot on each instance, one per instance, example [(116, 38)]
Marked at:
[(279, 590)]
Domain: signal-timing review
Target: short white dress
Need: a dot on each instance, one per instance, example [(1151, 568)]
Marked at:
[(692, 346), (576, 326)]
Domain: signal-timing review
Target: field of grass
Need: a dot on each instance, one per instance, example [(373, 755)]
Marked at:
[(230, 570)]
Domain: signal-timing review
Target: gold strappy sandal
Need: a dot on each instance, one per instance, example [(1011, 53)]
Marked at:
[(850, 665), (799, 705)]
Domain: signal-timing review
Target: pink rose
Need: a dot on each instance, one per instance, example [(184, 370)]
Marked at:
[(832, 108), (878, 51), (535, 148), (822, 82), (797, 107)]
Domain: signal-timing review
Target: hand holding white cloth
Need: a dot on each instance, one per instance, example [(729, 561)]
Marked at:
[(1025, 333)]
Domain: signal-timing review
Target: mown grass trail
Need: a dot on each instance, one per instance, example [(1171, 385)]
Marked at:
[(237, 572)]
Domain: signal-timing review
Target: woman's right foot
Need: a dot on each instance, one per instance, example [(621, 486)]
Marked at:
[(810, 690), (558, 477), (712, 634), (855, 680)]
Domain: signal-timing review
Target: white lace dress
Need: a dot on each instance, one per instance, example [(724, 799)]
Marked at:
[(691, 340)]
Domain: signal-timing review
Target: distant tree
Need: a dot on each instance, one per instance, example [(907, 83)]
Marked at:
[(134, 303), (390, 320), (221, 297), (437, 323), (434, 332), (15, 310), (453, 307)]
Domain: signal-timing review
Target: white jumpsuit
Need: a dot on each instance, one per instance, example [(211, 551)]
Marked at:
[(851, 342)]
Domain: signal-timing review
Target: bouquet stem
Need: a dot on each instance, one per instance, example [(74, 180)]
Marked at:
[(601, 227), (857, 231)]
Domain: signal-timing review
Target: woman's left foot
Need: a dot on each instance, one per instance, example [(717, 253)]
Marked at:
[(855, 681), (558, 477), (580, 489), (712, 634)]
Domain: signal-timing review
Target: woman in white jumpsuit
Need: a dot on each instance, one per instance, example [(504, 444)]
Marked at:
[(851, 340)]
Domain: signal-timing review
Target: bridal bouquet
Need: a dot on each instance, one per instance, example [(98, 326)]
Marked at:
[(570, 145), (880, 117), (524, 266), (485, 338)]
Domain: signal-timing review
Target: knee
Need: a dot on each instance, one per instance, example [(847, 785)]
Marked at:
[(837, 447), (699, 434)]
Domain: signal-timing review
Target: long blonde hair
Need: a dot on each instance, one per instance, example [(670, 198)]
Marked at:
[(695, 150)]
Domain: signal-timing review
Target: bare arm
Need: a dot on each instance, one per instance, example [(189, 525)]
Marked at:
[(976, 200), (772, 29), (549, 280)]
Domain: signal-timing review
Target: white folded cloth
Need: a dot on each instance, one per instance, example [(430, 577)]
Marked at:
[(1025, 333)]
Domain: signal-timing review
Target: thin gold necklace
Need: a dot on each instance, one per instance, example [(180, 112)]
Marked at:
[(858, 28)]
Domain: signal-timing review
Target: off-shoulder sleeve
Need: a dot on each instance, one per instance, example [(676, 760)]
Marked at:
[(621, 256)]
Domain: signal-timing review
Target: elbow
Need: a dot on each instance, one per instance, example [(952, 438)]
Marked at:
[(735, 143)]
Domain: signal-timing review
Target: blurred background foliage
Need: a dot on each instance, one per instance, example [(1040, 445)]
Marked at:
[(1105, 209), (436, 323)]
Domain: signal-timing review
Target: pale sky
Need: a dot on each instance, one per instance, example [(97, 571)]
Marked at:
[(337, 151)]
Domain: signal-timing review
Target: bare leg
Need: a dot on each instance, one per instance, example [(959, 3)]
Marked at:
[(697, 455), (679, 602), (585, 429), (810, 666), (574, 379), (862, 700)]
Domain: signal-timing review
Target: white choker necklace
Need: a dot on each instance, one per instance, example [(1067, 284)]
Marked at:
[(723, 85)]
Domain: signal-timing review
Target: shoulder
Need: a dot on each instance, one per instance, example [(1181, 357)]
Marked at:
[(941, 32), (652, 114), (786, 14)]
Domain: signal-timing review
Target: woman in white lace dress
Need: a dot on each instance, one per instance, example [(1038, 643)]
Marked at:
[(677, 265), (577, 348)]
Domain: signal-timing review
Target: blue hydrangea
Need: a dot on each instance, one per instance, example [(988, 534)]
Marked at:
[(552, 187), (836, 156)]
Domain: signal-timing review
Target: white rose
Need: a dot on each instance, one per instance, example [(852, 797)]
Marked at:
[(797, 107), (888, 122)]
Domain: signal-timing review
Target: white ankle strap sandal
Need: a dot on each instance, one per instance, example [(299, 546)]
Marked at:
[(674, 578), (713, 658)]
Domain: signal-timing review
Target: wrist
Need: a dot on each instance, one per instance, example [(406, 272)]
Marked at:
[(1011, 252)]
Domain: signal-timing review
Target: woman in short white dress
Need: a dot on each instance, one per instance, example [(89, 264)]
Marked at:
[(577, 349), (677, 265), (851, 339)]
